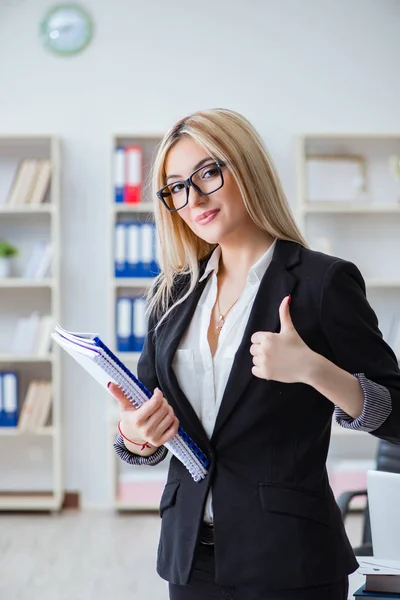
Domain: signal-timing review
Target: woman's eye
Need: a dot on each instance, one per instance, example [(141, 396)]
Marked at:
[(176, 188), (210, 172)]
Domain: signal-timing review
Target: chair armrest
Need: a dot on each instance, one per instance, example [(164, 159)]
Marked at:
[(344, 499)]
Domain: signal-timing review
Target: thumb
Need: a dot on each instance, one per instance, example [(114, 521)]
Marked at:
[(284, 315), (123, 401)]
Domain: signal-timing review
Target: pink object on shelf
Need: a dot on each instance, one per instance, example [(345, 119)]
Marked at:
[(140, 493)]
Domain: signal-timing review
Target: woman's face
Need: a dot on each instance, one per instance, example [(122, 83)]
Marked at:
[(215, 218)]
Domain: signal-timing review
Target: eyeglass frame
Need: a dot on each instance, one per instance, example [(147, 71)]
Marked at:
[(189, 182)]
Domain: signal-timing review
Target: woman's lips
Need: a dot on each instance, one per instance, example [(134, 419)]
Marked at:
[(207, 217)]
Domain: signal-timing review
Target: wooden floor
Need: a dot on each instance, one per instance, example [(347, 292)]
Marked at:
[(85, 556)]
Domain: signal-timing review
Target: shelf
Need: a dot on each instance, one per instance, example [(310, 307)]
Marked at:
[(135, 282), (382, 283), (29, 501), (15, 358), (350, 208), (27, 209), (362, 135), (124, 207), (20, 282), (15, 432), (127, 506)]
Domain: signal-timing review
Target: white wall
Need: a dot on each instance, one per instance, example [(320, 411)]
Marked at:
[(288, 65)]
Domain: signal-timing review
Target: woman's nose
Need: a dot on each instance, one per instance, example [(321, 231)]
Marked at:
[(194, 197)]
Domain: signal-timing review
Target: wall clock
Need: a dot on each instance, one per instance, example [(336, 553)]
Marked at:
[(66, 29)]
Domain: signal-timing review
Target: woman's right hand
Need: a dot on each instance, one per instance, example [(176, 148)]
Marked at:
[(154, 422)]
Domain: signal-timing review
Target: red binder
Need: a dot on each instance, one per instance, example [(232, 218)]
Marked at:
[(133, 174)]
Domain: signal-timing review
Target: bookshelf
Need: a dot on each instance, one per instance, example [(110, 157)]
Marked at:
[(31, 461), (132, 488), (361, 224)]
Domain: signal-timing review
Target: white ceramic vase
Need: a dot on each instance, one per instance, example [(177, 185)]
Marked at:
[(5, 267)]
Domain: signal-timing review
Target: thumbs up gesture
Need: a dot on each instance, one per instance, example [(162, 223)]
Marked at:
[(281, 356)]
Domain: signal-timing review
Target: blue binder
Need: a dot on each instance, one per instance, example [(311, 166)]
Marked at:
[(119, 174), (120, 250), (139, 324), (8, 399), (124, 324), (133, 249)]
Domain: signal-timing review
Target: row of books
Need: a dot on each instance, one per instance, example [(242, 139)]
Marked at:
[(32, 335), (36, 406), (131, 323), (136, 250), (128, 174), (30, 183), (38, 265)]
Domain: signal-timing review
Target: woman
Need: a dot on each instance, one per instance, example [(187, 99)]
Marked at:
[(254, 341)]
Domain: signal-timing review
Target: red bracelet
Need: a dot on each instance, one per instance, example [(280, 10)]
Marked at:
[(143, 445)]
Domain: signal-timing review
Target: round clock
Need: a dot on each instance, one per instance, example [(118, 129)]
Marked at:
[(66, 29)]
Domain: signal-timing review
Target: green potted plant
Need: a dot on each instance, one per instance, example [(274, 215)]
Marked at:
[(7, 252)]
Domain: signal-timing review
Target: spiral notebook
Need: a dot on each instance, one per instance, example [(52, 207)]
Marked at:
[(98, 360)]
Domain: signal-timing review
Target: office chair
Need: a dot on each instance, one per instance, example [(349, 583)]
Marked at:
[(387, 459)]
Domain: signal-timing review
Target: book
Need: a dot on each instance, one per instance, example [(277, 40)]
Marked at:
[(362, 593), (381, 575), (36, 407), (97, 359), (39, 191)]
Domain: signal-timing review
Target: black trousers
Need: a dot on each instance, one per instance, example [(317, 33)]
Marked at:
[(203, 587)]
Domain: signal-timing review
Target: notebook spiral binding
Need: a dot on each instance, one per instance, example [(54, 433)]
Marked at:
[(196, 462)]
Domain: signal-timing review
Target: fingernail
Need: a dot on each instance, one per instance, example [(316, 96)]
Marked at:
[(108, 384), (290, 299)]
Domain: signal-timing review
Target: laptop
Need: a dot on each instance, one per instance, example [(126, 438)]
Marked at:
[(384, 509)]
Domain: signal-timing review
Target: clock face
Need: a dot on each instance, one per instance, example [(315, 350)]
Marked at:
[(66, 29)]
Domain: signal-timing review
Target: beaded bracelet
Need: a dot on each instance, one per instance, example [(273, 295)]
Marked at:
[(143, 444)]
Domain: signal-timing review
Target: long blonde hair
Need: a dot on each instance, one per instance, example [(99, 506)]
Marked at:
[(229, 137)]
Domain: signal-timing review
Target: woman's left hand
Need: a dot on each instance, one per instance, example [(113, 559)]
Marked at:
[(281, 356)]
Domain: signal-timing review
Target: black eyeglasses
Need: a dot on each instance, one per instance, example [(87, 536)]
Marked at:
[(206, 180)]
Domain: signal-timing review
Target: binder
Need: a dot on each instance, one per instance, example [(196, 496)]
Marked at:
[(147, 250), (120, 252), (119, 173), (133, 249), (124, 325), (9, 399), (98, 360), (139, 323), (133, 174)]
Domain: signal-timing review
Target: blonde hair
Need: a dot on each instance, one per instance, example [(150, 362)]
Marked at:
[(229, 137)]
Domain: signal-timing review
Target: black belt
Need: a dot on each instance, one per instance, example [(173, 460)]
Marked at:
[(207, 534)]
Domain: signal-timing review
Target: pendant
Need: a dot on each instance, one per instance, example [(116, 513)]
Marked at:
[(220, 324)]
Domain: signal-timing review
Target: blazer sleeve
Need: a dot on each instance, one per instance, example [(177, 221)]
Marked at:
[(351, 329)]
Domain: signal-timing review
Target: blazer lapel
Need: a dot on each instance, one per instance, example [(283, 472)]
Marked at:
[(277, 283)]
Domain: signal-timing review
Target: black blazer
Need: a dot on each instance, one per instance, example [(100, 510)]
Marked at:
[(275, 516)]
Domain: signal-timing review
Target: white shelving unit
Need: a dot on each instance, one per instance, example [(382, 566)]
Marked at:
[(132, 488), (31, 464), (365, 229)]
